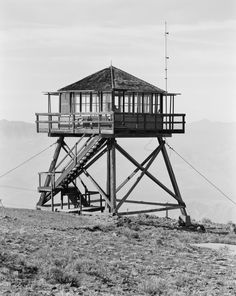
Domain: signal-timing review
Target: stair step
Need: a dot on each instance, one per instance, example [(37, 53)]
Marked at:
[(87, 152)]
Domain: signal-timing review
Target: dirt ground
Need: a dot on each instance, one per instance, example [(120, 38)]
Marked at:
[(44, 253)]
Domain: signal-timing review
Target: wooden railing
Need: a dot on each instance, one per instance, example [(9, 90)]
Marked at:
[(163, 123), (75, 123), (109, 123)]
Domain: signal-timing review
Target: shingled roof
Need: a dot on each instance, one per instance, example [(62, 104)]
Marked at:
[(112, 78)]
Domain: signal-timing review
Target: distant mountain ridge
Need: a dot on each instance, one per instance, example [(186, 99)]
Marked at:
[(209, 146), (17, 129)]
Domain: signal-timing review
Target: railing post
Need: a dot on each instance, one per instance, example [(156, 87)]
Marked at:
[(50, 122), (61, 200), (80, 204), (52, 187), (100, 201), (39, 179), (73, 123), (169, 116), (99, 123), (76, 151), (37, 123)]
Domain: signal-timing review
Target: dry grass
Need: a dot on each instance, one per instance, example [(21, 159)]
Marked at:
[(58, 254)]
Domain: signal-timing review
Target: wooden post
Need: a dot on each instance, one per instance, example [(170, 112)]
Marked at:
[(108, 173), (172, 176), (43, 197), (80, 204), (68, 200), (52, 201), (49, 111), (37, 123), (61, 200), (113, 176), (167, 213), (101, 202)]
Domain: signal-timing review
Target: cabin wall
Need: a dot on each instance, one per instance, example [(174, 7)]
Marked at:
[(65, 103)]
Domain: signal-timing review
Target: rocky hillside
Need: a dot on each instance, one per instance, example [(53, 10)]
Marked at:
[(43, 253)]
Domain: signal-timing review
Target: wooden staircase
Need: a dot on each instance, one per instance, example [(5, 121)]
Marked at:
[(59, 181)]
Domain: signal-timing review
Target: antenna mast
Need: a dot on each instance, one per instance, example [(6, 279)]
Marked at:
[(166, 56), (166, 65)]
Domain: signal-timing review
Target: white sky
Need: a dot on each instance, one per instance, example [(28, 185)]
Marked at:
[(47, 44)]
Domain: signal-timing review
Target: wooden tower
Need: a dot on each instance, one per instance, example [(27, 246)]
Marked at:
[(97, 111)]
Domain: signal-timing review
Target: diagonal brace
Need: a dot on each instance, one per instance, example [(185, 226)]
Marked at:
[(131, 159), (135, 171), (139, 177), (100, 190)]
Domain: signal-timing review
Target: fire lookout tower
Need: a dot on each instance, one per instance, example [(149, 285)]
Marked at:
[(97, 111)]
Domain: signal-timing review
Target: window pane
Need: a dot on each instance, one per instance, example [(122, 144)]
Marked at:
[(95, 103), (85, 102), (77, 102), (106, 102), (127, 103)]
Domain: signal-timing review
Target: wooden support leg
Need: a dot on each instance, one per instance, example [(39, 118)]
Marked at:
[(61, 201), (108, 174), (101, 203), (172, 176), (68, 200), (113, 176), (80, 204), (43, 199), (52, 202)]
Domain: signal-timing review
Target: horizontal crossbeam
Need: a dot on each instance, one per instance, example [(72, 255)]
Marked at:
[(150, 210)]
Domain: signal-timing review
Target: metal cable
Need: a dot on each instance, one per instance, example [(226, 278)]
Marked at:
[(27, 160), (203, 176)]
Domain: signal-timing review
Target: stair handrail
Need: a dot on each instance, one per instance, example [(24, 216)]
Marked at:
[(78, 153), (70, 150), (97, 138), (88, 142)]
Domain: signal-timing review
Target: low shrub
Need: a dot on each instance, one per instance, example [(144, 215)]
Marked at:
[(56, 275), (154, 286), (129, 233), (206, 221)]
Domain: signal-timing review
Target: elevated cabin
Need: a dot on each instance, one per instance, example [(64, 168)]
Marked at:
[(111, 103)]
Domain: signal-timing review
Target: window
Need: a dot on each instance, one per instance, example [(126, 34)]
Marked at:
[(106, 102), (77, 102), (85, 102), (156, 103), (95, 102), (128, 103), (146, 103), (138, 103)]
